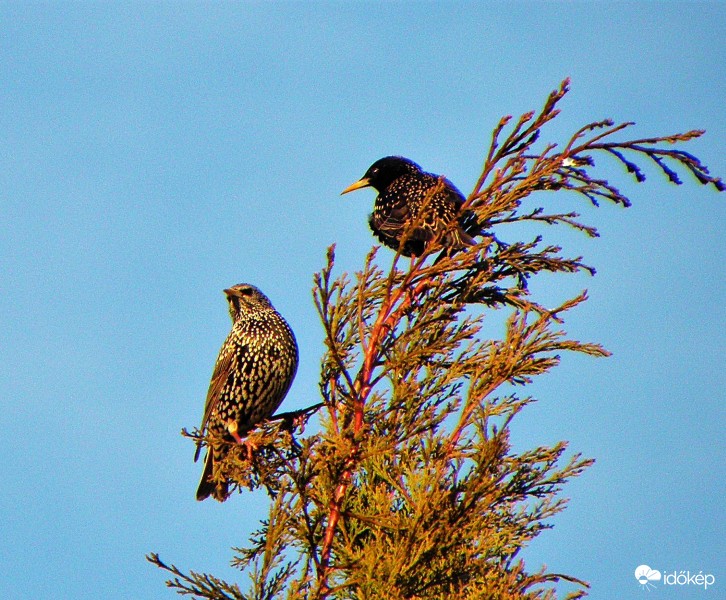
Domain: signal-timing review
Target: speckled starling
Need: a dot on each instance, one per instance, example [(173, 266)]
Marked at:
[(403, 190), (253, 372)]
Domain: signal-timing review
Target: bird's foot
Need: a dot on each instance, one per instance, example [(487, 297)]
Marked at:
[(250, 447)]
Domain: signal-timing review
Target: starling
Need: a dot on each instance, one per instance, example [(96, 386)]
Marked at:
[(403, 189), (253, 372)]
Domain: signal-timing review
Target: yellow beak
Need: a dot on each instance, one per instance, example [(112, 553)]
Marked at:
[(356, 186)]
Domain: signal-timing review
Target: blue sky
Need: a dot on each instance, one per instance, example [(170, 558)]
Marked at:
[(156, 153)]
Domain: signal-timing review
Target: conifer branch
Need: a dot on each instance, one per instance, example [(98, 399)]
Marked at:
[(410, 487)]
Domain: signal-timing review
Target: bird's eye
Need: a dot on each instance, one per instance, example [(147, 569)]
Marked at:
[(245, 292)]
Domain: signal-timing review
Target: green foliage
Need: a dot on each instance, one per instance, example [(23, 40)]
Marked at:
[(409, 487)]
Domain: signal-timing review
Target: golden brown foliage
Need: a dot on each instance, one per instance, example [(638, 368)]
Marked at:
[(410, 488)]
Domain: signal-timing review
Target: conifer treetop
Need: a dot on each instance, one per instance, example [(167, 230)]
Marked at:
[(408, 486)]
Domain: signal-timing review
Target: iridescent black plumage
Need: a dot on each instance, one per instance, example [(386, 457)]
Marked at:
[(253, 372), (404, 189)]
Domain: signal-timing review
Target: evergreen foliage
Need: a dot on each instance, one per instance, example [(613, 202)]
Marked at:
[(409, 487)]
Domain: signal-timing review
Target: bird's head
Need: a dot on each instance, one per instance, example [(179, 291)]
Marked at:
[(244, 298), (383, 172)]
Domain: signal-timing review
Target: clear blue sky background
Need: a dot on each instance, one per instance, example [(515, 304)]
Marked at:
[(155, 153)]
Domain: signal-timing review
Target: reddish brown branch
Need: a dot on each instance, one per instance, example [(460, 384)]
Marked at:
[(386, 321)]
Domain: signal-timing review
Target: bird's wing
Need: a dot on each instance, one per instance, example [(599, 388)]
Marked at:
[(393, 221), (468, 221), (219, 378), (220, 375), (454, 192)]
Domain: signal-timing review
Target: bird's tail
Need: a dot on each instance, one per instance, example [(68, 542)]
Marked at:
[(464, 236), (462, 239), (470, 226), (207, 487)]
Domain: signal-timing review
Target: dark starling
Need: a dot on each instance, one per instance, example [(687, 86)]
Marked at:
[(253, 372), (403, 188)]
